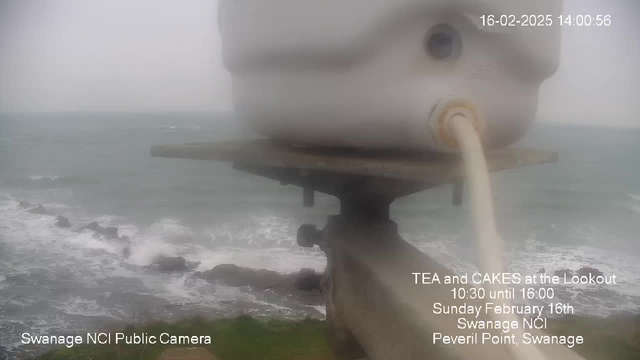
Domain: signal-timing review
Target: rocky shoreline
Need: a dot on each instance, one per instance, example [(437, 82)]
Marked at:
[(303, 286)]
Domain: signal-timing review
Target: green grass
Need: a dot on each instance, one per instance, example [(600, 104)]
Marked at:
[(245, 338), (242, 338)]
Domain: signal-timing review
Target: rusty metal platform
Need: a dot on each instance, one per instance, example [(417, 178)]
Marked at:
[(426, 166)]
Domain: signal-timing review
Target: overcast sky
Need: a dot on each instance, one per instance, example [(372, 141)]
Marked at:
[(164, 55)]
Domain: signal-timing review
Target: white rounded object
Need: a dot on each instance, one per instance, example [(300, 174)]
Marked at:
[(369, 73)]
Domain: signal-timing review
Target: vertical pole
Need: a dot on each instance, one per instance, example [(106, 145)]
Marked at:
[(308, 193), (458, 188), (308, 196)]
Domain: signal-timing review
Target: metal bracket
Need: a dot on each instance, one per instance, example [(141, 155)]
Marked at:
[(374, 308)]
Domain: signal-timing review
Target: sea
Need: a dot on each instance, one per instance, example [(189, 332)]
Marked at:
[(583, 211)]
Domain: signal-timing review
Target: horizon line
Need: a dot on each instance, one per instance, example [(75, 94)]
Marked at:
[(541, 120)]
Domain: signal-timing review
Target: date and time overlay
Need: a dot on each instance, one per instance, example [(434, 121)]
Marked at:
[(580, 20)]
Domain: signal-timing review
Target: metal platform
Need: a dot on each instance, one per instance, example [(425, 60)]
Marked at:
[(426, 166)]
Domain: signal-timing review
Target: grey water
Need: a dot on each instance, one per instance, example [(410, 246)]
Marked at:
[(582, 211)]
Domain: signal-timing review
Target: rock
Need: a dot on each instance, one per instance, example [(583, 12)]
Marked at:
[(108, 232), (62, 222), (561, 273), (125, 238), (541, 271), (300, 286), (93, 226), (308, 280), (172, 264), (24, 205), (39, 210), (260, 279), (126, 252), (589, 271), (233, 275)]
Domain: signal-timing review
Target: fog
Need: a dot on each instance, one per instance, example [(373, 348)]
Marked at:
[(121, 55), (164, 55)]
